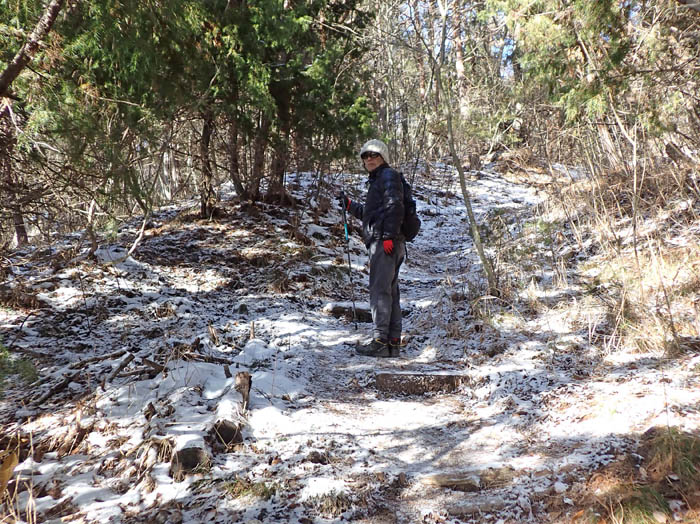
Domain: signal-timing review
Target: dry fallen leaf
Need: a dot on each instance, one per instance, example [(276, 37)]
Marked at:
[(6, 470)]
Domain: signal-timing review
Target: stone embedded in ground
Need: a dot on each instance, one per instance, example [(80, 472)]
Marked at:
[(188, 460), (317, 457), (497, 477), (226, 433), (660, 517), (419, 383)]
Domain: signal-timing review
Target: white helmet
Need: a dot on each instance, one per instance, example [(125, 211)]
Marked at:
[(376, 146)]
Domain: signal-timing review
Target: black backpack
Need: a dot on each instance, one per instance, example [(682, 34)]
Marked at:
[(411, 223)]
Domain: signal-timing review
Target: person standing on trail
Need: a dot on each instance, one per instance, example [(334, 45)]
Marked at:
[(381, 215)]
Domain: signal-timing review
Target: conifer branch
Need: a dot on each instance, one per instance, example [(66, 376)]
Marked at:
[(29, 49)]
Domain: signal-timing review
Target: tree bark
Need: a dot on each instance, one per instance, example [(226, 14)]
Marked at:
[(474, 230), (10, 182), (302, 155), (207, 188), (459, 65), (280, 93), (259, 149), (234, 160), (29, 49)]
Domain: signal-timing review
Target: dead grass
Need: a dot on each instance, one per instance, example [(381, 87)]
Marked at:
[(648, 276), (242, 487), (653, 304), (331, 505), (660, 481)]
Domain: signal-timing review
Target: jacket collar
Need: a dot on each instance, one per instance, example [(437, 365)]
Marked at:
[(377, 169)]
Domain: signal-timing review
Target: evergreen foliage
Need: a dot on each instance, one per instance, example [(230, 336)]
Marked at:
[(132, 103), (125, 91)]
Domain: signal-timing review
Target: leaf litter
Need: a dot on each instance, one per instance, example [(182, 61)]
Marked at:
[(138, 364)]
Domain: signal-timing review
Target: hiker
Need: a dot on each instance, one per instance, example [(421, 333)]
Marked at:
[(381, 215)]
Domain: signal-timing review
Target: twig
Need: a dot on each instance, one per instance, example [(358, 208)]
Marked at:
[(197, 357), (108, 356), (154, 365), (19, 329), (136, 372), (26, 351), (118, 369), (67, 379), (139, 237)]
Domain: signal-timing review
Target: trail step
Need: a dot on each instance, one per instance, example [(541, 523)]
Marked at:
[(344, 310), (458, 482), (419, 383), (364, 314)]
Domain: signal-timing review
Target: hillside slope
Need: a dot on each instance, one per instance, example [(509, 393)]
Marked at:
[(138, 361)]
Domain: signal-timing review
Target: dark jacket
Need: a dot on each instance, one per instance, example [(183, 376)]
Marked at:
[(382, 212)]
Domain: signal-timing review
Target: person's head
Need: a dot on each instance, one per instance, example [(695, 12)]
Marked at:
[(373, 154)]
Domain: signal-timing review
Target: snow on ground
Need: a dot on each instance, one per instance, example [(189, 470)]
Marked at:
[(542, 404)]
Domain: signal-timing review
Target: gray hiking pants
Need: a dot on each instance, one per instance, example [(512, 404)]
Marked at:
[(384, 292)]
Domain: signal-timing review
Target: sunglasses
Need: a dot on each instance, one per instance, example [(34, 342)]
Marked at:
[(368, 154)]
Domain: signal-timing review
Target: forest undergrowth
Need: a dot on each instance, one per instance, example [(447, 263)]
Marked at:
[(593, 315), (640, 234)]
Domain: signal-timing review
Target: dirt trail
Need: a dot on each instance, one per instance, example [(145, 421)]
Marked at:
[(541, 407)]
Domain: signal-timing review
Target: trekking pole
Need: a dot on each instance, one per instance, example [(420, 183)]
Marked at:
[(347, 249)]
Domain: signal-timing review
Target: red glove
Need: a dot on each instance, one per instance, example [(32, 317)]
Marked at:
[(343, 201), (388, 247)]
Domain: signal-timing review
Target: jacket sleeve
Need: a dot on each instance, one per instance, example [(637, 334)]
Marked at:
[(356, 209), (393, 204)]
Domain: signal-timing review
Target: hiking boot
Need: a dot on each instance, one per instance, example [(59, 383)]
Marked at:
[(395, 346), (376, 348)]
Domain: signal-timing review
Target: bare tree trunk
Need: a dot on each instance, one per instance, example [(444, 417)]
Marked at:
[(459, 65), (29, 49), (234, 163), (302, 155), (420, 63), (431, 43), (279, 165), (9, 180), (259, 149), (280, 92), (206, 190), (474, 229)]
